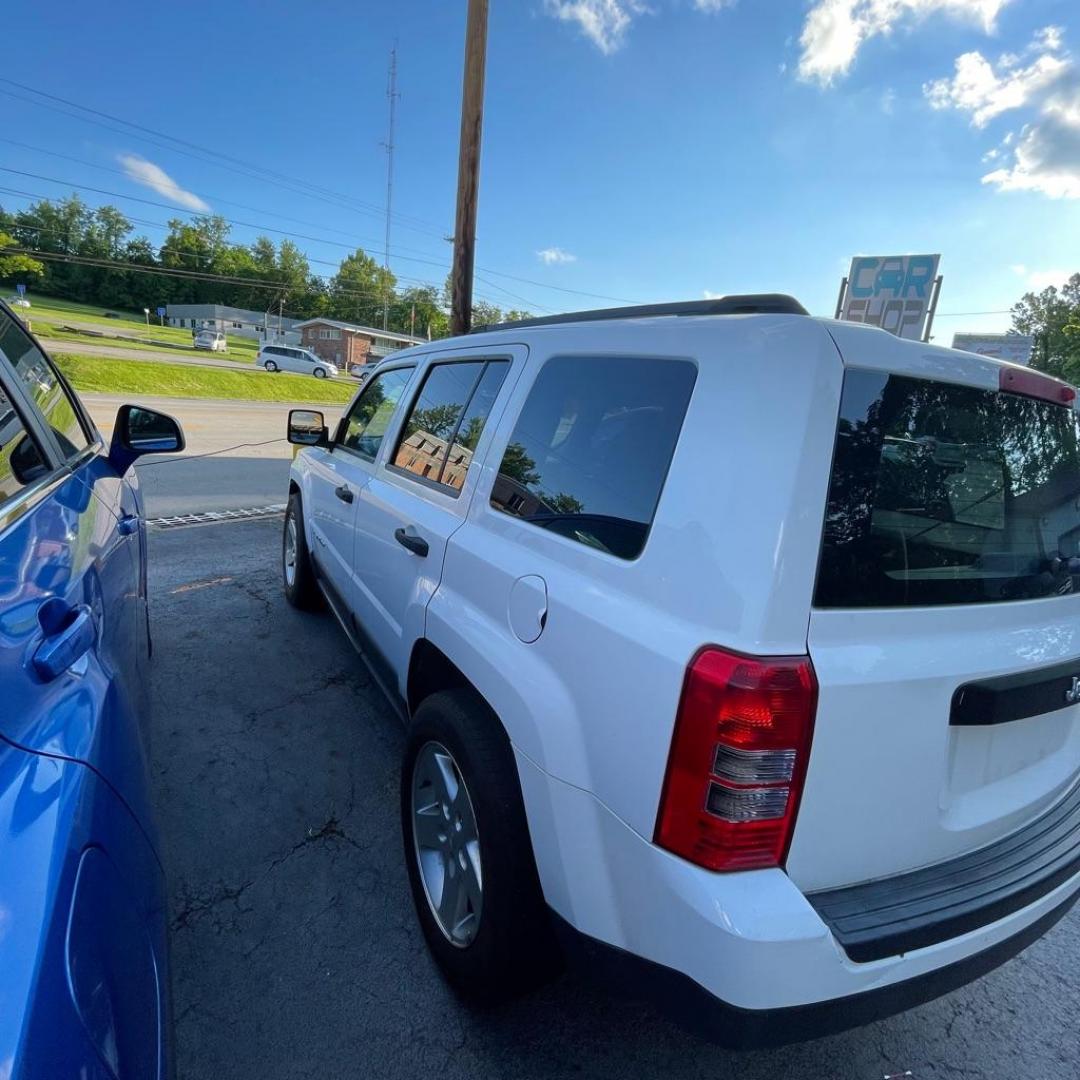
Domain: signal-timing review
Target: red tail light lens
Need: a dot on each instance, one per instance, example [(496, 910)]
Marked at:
[(738, 760), (1035, 384)]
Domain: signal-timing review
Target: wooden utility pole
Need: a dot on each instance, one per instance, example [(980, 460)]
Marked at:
[(472, 122)]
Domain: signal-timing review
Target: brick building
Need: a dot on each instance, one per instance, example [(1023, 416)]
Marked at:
[(348, 345)]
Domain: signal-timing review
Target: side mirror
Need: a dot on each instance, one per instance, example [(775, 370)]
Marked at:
[(307, 428), (139, 431)]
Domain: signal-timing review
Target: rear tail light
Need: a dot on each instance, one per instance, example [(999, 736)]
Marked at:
[(738, 759)]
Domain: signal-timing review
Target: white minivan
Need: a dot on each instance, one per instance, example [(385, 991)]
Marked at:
[(291, 358), (739, 652)]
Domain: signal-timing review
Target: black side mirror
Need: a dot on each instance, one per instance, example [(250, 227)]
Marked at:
[(307, 428), (139, 431)]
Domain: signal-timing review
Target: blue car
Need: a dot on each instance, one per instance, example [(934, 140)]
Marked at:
[(84, 982)]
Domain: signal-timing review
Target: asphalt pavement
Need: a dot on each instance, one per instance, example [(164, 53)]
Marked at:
[(126, 352), (295, 950), (236, 455)]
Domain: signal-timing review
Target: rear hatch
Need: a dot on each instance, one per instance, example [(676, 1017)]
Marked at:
[(946, 625)]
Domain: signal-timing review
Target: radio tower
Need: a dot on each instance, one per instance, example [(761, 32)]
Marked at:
[(392, 95)]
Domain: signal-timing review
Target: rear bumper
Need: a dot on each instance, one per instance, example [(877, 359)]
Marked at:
[(748, 946), (913, 910), (692, 1007)]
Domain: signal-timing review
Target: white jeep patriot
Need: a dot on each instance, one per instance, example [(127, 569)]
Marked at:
[(739, 652)]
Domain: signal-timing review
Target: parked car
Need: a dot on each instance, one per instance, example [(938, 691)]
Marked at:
[(83, 911), (288, 358), (18, 301), (739, 652), (213, 340)]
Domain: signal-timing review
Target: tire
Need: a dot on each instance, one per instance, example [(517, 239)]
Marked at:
[(498, 943), (320, 373), (301, 588), (270, 366)]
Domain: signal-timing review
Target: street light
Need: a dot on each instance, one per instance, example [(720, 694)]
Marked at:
[(146, 312)]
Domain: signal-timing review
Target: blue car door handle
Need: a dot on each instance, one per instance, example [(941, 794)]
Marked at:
[(128, 525), (61, 649)]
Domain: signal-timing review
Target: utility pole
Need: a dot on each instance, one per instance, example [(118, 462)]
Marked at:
[(472, 122), (392, 96)]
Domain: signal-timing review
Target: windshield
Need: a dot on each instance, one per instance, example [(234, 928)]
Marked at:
[(946, 494)]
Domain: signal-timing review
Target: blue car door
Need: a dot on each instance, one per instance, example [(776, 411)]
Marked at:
[(81, 592), (82, 946)]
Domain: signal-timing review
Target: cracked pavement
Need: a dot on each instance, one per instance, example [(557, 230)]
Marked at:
[(295, 950)]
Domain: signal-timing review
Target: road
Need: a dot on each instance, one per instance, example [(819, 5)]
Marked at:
[(250, 462), (125, 352), (295, 950)]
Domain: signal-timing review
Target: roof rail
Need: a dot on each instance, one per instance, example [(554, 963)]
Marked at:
[(751, 304)]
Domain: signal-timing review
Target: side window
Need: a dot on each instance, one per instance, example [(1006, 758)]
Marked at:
[(21, 460), (446, 420), (43, 386), (370, 415), (590, 451)]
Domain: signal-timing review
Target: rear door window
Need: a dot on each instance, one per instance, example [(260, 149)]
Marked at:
[(591, 448), (945, 494), (447, 419)]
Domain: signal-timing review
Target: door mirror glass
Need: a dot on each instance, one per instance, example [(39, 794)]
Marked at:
[(307, 428), (139, 431)]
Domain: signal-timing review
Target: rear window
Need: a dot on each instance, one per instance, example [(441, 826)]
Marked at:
[(945, 494), (591, 448)]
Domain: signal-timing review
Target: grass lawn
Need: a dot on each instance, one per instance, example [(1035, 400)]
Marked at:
[(53, 332), (107, 376), (49, 308)]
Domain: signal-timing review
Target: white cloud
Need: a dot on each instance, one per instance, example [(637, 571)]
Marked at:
[(603, 22), (708, 294), (554, 255), (1044, 156), (153, 176), (835, 30), (1019, 269), (979, 89), (606, 22), (1043, 279)]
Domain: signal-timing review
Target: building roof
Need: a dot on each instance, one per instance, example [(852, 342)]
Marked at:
[(224, 311), (352, 328)]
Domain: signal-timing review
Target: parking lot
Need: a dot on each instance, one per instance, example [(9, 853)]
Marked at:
[(295, 949)]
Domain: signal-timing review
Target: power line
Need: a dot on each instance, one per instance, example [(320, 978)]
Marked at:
[(271, 176), (172, 252), (304, 236), (216, 157)]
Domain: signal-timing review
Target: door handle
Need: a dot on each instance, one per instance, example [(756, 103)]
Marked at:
[(344, 493), (409, 540), (71, 640), (128, 525)]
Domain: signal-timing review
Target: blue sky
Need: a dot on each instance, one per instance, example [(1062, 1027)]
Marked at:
[(635, 151)]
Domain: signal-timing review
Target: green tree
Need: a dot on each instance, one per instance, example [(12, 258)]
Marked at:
[(356, 291), (1053, 318), (17, 266), (517, 464)]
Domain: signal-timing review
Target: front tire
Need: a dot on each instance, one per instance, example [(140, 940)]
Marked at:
[(319, 373), (301, 589), (468, 852), (270, 366)]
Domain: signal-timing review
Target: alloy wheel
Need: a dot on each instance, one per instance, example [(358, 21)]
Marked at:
[(446, 844)]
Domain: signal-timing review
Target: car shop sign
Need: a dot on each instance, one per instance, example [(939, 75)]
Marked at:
[(896, 292)]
